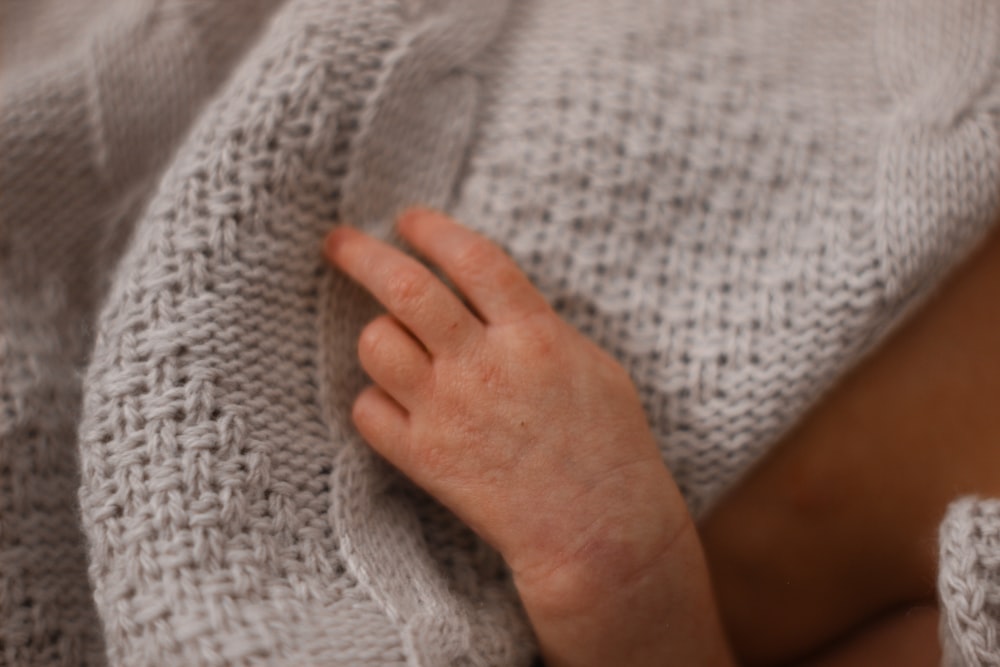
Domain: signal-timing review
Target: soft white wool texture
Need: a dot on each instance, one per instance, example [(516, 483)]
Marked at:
[(737, 199)]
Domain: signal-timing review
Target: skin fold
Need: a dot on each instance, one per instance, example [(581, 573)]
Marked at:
[(855, 493), (536, 438)]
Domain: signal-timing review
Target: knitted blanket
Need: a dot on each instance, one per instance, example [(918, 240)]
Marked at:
[(737, 199)]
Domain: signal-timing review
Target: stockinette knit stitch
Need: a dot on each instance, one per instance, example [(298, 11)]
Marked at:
[(736, 199)]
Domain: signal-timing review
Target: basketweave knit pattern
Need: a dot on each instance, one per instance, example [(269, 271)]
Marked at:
[(92, 104), (222, 478), (736, 199)]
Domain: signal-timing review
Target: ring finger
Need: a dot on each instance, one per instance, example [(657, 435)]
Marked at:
[(393, 359)]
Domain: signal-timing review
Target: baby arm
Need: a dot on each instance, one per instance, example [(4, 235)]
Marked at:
[(537, 440)]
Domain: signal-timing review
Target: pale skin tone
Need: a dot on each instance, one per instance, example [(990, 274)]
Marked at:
[(536, 439)]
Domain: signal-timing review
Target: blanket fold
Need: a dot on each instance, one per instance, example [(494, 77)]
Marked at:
[(737, 200)]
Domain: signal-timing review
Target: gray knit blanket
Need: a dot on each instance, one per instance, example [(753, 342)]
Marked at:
[(735, 198)]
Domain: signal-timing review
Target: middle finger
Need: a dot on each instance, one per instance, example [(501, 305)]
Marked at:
[(408, 290)]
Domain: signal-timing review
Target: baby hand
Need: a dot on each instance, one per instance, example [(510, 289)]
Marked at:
[(528, 431)]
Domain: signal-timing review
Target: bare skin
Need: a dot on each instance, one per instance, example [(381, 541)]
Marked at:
[(536, 439), (856, 492)]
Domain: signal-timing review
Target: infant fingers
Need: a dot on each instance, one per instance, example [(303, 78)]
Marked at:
[(382, 422), (482, 272), (408, 290), (394, 360)]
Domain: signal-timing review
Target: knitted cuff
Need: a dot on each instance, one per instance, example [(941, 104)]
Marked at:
[(969, 583)]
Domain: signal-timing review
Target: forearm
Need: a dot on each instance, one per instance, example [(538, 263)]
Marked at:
[(665, 614), (906, 637)]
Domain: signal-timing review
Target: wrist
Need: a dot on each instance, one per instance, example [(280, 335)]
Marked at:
[(632, 589), (607, 537), (609, 559)]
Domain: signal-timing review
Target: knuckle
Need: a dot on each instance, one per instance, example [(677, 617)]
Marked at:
[(540, 337), (407, 287), (489, 374), (478, 257), (361, 408), (433, 460), (434, 456), (372, 337), (507, 273)]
